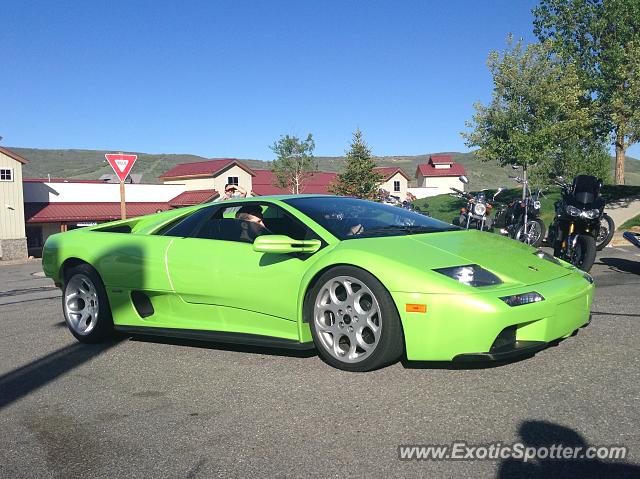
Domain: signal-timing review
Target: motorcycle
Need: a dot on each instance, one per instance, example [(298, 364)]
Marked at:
[(520, 219), (477, 213), (576, 224)]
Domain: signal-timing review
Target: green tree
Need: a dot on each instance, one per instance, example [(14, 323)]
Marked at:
[(602, 37), (294, 162), (358, 177), (585, 156), (537, 108)]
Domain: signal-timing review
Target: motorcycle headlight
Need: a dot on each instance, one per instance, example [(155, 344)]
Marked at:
[(536, 205), (471, 275), (480, 209), (573, 211), (591, 214), (546, 256)]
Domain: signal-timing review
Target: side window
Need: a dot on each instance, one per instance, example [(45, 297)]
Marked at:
[(279, 222), (241, 222), (186, 227)]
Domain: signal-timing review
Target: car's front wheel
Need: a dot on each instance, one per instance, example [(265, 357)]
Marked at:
[(354, 322), (85, 305)]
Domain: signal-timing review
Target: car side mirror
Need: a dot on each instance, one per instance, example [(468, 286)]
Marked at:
[(464, 179), (282, 244)]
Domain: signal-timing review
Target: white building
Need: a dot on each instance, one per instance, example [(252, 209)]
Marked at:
[(438, 176)]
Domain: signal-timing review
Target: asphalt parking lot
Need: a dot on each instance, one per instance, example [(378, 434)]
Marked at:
[(146, 408)]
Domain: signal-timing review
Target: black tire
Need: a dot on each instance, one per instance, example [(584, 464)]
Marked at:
[(519, 237), (584, 254), (389, 346), (102, 327), (603, 240)]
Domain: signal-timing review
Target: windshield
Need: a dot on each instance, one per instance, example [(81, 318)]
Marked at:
[(350, 218)]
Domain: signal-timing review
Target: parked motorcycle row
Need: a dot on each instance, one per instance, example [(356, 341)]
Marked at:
[(580, 226)]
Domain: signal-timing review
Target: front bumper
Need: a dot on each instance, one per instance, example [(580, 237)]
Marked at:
[(480, 326)]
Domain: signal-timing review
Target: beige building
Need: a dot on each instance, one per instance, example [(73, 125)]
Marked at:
[(395, 181), (13, 240), (210, 175)]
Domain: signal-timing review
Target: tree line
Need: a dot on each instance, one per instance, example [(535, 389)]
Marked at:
[(295, 164), (559, 104)]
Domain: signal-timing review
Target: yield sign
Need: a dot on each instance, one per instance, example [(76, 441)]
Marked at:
[(121, 164)]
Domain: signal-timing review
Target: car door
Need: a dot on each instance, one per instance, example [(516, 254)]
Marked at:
[(215, 266)]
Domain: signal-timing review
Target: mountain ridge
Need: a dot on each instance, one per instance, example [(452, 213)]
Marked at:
[(90, 164)]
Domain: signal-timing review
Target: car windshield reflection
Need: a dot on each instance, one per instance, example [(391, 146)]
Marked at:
[(351, 218)]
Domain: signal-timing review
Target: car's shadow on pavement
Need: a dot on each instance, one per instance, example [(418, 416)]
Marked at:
[(22, 381), (622, 265), (542, 437), (240, 348)]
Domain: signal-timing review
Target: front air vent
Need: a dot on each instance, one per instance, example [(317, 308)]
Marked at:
[(142, 303)]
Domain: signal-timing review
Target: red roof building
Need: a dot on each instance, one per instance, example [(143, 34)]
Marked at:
[(89, 212), (318, 183), (204, 168), (439, 166), (193, 197)]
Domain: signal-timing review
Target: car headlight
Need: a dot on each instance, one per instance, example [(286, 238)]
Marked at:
[(573, 211), (587, 276), (479, 209), (546, 256), (524, 298), (471, 275), (591, 214)]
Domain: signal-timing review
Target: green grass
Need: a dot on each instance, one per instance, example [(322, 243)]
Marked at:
[(446, 207), (635, 221)]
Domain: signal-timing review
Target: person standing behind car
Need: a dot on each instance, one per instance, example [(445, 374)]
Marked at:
[(233, 192)]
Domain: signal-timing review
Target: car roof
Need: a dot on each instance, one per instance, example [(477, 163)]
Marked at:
[(277, 197)]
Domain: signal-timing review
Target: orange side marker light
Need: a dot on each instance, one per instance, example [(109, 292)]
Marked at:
[(416, 308)]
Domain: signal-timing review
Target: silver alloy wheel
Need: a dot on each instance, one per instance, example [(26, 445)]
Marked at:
[(81, 304), (533, 233), (348, 319)]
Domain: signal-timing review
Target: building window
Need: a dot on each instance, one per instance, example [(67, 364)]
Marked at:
[(232, 180), (396, 186), (6, 174)]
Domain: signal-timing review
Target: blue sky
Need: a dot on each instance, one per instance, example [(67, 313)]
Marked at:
[(226, 78)]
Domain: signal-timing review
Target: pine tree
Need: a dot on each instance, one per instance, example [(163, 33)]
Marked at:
[(358, 177)]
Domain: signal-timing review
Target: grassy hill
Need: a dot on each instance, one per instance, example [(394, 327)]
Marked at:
[(90, 164)]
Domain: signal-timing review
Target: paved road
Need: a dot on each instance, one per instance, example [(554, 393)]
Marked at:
[(138, 408), (623, 210)]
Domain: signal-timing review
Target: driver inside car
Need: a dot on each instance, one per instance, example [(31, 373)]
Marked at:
[(252, 223)]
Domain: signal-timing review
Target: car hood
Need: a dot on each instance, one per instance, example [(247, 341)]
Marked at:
[(513, 262)]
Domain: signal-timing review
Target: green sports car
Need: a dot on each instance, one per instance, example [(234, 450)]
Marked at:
[(362, 282)]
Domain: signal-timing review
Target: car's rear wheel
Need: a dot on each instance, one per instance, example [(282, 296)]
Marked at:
[(354, 322), (86, 306)]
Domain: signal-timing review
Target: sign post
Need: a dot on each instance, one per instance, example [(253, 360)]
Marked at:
[(121, 165)]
